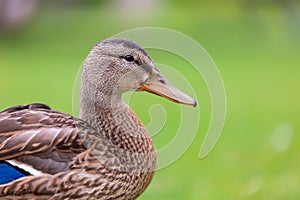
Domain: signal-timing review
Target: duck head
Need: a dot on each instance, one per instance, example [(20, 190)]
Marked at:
[(116, 65)]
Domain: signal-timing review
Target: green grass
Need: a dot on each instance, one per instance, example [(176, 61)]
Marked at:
[(257, 53)]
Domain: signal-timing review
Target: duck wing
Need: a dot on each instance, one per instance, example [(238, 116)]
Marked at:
[(39, 140)]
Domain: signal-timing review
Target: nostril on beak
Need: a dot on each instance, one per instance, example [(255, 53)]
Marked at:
[(162, 81)]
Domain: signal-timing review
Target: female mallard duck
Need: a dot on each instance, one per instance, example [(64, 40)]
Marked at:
[(107, 154)]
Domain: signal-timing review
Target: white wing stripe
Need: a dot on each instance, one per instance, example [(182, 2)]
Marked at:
[(26, 167)]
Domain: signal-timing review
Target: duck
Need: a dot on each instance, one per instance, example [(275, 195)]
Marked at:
[(106, 153)]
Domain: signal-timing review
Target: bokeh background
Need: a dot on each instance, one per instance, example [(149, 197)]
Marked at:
[(255, 44)]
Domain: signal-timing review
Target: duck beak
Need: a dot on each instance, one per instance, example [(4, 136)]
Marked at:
[(158, 85)]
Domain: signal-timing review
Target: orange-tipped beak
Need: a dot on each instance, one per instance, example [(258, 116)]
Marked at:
[(160, 86)]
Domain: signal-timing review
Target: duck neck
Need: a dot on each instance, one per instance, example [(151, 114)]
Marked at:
[(97, 92), (107, 113), (90, 104)]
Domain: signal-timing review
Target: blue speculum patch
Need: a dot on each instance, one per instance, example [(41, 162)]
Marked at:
[(9, 172)]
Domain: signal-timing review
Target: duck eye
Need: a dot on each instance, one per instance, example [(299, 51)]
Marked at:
[(129, 58)]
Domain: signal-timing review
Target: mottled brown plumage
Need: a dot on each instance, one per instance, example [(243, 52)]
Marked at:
[(108, 153)]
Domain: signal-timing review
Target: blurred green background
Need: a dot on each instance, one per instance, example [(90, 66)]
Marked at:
[(256, 46)]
